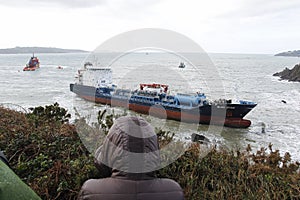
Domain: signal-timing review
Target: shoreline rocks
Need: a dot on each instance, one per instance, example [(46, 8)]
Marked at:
[(290, 74)]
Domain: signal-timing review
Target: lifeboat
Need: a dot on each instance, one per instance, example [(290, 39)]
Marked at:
[(32, 64)]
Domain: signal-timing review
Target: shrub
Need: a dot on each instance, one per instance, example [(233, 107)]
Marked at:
[(46, 152)]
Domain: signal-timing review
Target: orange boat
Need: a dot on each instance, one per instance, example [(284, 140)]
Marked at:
[(32, 64)]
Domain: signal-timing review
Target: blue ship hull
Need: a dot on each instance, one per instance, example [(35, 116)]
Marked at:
[(224, 113)]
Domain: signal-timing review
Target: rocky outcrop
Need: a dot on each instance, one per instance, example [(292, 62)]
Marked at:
[(290, 74)]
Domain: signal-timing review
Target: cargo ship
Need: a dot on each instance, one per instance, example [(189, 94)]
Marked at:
[(33, 64), (95, 84)]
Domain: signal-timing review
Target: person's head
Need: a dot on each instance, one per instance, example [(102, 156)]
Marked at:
[(130, 149)]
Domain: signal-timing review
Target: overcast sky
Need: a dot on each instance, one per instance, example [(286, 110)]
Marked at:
[(228, 26)]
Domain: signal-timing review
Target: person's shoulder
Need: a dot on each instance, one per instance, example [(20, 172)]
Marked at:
[(92, 187), (95, 182), (152, 189), (162, 188), (167, 182), (105, 185)]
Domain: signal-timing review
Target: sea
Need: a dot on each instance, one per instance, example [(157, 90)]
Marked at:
[(275, 119)]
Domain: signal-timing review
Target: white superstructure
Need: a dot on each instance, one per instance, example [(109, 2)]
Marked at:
[(94, 76)]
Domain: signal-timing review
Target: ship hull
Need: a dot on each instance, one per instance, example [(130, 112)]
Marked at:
[(30, 68), (230, 115)]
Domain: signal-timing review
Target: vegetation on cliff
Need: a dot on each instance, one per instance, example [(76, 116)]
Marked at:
[(45, 151), (290, 74)]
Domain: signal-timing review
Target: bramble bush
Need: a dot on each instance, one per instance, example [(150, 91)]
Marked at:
[(45, 151)]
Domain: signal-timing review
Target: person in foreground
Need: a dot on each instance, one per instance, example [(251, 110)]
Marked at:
[(127, 159), (11, 186)]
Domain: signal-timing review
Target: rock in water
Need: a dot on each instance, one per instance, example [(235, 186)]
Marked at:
[(290, 74)]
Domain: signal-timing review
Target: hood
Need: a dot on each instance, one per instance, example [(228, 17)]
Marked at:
[(130, 149)]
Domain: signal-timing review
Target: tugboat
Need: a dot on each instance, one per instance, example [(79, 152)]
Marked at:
[(95, 84), (32, 64), (181, 65)]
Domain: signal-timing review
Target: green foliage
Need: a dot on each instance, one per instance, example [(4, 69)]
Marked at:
[(53, 113), (46, 152), (105, 120)]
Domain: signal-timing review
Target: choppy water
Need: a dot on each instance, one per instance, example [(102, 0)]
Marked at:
[(242, 76)]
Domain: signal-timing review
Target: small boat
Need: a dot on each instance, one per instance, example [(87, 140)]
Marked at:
[(59, 67), (95, 84), (32, 64), (181, 65)]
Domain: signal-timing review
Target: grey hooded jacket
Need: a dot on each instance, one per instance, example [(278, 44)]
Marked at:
[(128, 157)]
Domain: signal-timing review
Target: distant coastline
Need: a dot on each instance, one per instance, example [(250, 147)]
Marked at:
[(25, 50), (295, 53)]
